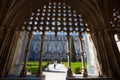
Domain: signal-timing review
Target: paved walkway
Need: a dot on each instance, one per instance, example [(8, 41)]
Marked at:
[(59, 73)]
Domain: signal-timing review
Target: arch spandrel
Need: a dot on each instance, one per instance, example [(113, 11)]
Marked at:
[(20, 11)]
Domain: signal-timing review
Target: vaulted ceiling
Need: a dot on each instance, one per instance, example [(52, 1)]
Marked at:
[(14, 13)]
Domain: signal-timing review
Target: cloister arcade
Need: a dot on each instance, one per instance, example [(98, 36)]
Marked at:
[(55, 17), (91, 20)]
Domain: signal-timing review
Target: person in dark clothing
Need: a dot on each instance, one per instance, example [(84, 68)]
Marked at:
[(55, 63)]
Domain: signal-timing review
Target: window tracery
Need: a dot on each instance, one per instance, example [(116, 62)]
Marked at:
[(55, 17), (116, 20)]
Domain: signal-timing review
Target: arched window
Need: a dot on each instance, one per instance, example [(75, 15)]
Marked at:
[(55, 17)]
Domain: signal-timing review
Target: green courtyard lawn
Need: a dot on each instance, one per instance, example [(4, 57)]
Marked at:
[(75, 66), (33, 66)]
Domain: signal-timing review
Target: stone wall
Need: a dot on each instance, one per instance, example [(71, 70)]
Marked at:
[(54, 47)]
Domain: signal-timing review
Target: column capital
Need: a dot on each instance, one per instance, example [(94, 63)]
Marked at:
[(68, 36), (80, 37), (102, 31), (30, 35), (68, 52), (82, 52), (43, 35)]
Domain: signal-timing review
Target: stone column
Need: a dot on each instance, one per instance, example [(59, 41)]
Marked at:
[(39, 72), (103, 55), (24, 70), (94, 37), (10, 55), (112, 54), (84, 70), (69, 71), (91, 58), (101, 45), (17, 53)]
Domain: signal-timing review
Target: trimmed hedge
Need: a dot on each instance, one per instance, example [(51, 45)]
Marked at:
[(76, 66), (33, 66)]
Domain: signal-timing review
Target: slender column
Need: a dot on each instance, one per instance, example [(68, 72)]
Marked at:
[(107, 50), (92, 66), (112, 54), (94, 38), (84, 70), (11, 51), (8, 56), (39, 72), (24, 70), (11, 59), (69, 72)]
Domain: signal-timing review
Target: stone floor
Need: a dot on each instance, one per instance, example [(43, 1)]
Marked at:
[(59, 73)]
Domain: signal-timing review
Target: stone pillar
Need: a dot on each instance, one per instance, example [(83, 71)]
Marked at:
[(10, 54), (16, 39), (84, 70), (17, 53), (69, 71), (94, 37), (24, 70), (104, 64), (39, 72), (108, 53), (112, 54), (91, 57)]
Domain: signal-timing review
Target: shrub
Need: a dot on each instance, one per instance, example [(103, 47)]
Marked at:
[(33, 66), (76, 66), (28, 68), (77, 70), (34, 69)]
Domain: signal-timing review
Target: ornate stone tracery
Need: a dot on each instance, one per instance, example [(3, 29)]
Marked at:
[(116, 22), (55, 17)]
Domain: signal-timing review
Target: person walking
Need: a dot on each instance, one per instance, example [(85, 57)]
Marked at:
[(55, 63)]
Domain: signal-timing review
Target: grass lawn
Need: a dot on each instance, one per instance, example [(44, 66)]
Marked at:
[(33, 66), (76, 66)]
